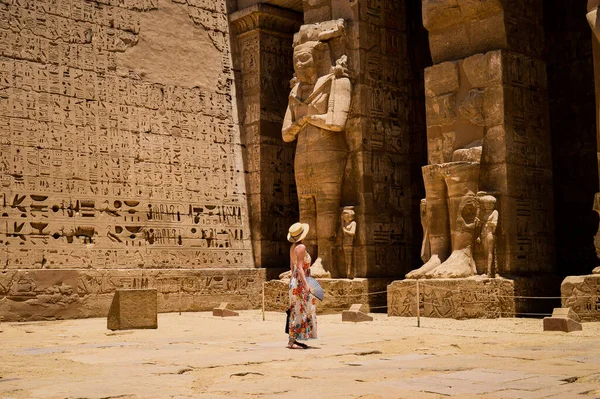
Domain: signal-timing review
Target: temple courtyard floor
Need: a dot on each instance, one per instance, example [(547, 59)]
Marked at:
[(196, 355)]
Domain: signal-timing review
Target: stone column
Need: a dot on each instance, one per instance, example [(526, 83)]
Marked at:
[(487, 89), (385, 149), (263, 63), (592, 17)]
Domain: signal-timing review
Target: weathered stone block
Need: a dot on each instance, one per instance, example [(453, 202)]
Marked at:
[(565, 313), (133, 309), (340, 294), (453, 298), (356, 314), (561, 324), (484, 69), (582, 295), (441, 79), (224, 310), (89, 293), (563, 319)]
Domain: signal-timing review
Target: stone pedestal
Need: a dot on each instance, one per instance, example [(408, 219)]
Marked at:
[(472, 298), (224, 310), (563, 319), (340, 294), (133, 309), (582, 295), (357, 313), (67, 294)]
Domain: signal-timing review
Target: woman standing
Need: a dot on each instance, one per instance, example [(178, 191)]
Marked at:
[(303, 306)]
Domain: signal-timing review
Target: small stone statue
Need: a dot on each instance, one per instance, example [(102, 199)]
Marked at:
[(489, 217), (349, 230)]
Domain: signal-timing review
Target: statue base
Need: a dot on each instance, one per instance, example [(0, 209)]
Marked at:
[(476, 297), (340, 294), (582, 295), (458, 298), (36, 294)]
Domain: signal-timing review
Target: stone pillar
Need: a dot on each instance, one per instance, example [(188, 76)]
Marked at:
[(384, 151), (487, 89), (263, 41), (592, 17)]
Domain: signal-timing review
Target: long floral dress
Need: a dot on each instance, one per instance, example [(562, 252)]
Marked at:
[(303, 306)]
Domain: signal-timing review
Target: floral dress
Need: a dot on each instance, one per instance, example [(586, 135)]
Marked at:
[(303, 306)]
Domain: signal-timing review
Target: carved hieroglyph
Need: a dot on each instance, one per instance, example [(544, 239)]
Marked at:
[(316, 117), (119, 148), (105, 162), (64, 294), (582, 294), (453, 298)]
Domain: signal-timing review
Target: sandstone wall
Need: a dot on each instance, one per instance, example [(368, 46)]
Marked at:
[(119, 145)]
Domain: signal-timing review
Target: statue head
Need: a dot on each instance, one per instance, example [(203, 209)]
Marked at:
[(311, 60), (348, 214), (488, 202)]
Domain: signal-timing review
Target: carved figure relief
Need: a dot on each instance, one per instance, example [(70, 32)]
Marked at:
[(316, 116)]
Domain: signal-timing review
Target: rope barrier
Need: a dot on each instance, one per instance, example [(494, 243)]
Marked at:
[(490, 298), (490, 295)]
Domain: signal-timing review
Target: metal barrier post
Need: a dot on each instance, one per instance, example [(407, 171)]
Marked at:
[(418, 306)]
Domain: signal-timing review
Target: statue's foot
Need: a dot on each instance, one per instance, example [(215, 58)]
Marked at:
[(318, 271), (596, 270), (286, 275), (431, 264), (458, 265)]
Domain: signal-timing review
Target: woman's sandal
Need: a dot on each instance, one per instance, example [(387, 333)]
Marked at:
[(297, 345)]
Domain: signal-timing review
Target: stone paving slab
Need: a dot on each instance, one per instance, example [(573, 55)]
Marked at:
[(488, 375), (198, 356)]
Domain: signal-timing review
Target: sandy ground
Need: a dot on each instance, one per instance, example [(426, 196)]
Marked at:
[(196, 355)]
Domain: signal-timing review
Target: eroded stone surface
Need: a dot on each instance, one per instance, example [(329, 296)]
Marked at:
[(63, 294), (316, 118), (582, 295), (357, 313), (453, 298), (133, 309), (479, 140), (119, 147), (340, 294)]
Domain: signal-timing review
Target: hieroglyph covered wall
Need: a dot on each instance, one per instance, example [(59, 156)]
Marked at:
[(118, 142)]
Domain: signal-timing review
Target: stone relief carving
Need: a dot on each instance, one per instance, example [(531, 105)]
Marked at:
[(316, 116)]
